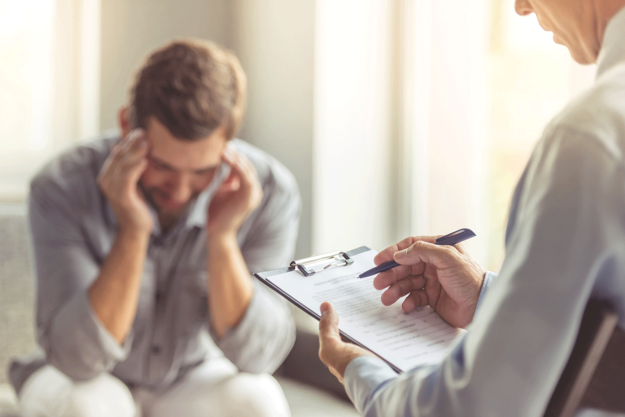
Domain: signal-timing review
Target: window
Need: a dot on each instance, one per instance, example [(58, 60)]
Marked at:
[(49, 83), (426, 113)]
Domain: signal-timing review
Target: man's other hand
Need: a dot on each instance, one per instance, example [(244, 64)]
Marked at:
[(236, 198), (333, 352), (444, 277), (118, 179)]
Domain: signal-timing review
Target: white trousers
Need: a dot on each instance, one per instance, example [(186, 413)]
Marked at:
[(215, 389)]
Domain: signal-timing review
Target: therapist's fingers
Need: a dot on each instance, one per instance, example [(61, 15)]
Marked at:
[(329, 325), (387, 254), (390, 277), (418, 298), (441, 257), (461, 248), (402, 288)]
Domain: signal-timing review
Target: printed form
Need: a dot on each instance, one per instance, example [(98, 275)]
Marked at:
[(405, 340)]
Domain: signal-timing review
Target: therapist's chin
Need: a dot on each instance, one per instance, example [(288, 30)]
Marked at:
[(580, 54)]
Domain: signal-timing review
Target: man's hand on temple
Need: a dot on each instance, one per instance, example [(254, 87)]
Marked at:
[(237, 197), (119, 178), (230, 288), (444, 277), (333, 352)]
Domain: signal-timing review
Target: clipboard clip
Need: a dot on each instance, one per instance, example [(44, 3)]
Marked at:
[(310, 266)]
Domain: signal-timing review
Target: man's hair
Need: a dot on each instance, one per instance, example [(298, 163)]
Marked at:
[(192, 87)]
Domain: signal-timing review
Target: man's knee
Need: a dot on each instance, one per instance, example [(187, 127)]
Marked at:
[(254, 395), (49, 392)]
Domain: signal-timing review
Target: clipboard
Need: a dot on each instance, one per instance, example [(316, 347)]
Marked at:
[(314, 268)]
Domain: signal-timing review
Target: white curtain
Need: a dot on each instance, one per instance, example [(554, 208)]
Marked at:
[(49, 84)]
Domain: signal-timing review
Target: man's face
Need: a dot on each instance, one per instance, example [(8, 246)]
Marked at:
[(573, 23), (178, 170)]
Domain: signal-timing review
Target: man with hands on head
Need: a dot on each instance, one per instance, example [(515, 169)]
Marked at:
[(564, 245), (143, 246)]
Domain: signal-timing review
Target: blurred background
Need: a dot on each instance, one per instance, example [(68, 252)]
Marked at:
[(397, 117)]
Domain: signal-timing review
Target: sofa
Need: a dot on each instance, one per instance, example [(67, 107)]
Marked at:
[(309, 387)]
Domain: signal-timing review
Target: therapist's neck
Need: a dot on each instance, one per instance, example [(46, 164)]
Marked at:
[(605, 11)]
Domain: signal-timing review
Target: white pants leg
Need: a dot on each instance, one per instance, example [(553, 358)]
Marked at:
[(50, 393), (217, 389)]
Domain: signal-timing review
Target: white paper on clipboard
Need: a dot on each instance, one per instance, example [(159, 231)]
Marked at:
[(404, 340)]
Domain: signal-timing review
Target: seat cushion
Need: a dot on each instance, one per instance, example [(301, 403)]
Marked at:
[(307, 401)]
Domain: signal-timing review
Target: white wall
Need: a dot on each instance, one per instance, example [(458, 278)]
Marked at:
[(275, 41), (353, 144), (131, 29)]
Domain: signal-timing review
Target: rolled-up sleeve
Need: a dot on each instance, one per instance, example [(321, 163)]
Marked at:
[(68, 330), (266, 334)]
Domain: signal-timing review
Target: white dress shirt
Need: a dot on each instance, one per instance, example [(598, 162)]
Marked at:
[(565, 243)]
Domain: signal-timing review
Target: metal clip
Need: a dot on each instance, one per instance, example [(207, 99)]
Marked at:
[(306, 266)]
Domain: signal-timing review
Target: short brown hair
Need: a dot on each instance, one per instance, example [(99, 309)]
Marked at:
[(192, 87)]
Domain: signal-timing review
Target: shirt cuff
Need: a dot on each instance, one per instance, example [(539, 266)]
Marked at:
[(489, 279), (80, 345), (363, 376)]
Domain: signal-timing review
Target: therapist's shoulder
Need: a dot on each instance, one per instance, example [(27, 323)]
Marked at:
[(274, 177), (595, 120)]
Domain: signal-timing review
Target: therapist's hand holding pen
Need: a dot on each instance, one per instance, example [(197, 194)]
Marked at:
[(444, 277)]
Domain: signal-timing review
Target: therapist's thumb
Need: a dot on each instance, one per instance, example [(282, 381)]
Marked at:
[(425, 252), (329, 323)]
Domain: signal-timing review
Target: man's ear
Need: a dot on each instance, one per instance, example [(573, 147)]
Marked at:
[(123, 120)]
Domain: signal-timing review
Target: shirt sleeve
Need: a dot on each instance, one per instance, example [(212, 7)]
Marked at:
[(563, 240), (68, 330), (266, 334), (489, 280)]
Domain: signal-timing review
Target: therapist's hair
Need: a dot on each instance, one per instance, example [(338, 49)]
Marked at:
[(193, 87)]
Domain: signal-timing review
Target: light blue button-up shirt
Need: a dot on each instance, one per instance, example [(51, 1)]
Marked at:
[(72, 230), (565, 243)]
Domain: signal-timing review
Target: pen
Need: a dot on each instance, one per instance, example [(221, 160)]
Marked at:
[(450, 240)]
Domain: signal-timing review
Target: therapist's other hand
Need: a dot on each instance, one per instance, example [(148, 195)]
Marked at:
[(444, 277), (333, 352)]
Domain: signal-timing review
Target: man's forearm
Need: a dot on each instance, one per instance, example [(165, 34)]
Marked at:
[(114, 294), (230, 289)]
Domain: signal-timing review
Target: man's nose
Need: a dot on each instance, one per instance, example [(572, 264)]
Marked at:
[(182, 188), (523, 7)]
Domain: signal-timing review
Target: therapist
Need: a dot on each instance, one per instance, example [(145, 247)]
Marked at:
[(565, 244)]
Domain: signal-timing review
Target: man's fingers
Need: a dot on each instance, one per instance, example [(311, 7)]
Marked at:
[(420, 251), (390, 277), (241, 166), (232, 183), (130, 140), (418, 298), (402, 288), (387, 254), (329, 323)]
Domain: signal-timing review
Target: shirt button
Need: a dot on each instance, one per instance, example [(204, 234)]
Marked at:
[(159, 296), (156, 349)]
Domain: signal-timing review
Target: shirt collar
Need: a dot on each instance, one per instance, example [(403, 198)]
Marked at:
[(613, 47)]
